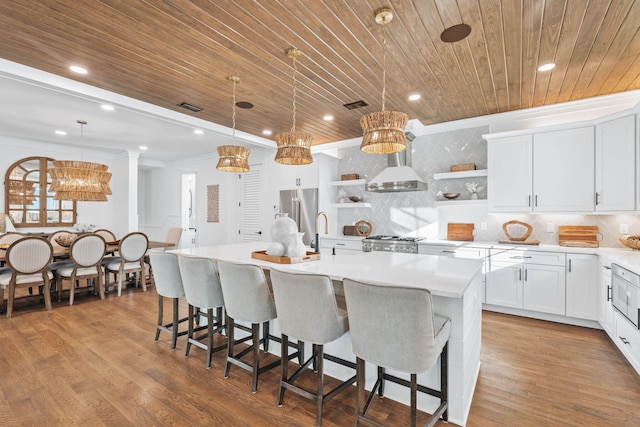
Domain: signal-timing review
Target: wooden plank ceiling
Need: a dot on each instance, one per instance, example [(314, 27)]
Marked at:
[(167, 52)]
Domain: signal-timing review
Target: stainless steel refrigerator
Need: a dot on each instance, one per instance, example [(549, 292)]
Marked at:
[(302, 205)]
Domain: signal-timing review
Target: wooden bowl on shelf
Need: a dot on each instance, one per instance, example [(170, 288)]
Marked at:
[(450, 196)]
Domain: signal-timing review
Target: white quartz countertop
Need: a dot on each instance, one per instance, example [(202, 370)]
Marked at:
[(443, 276)]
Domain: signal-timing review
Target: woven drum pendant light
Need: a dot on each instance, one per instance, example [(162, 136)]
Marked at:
[(233, 158), (79, 180), (383, 131), (294, 148)]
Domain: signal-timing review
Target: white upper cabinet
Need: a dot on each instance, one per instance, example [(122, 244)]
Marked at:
[(615, 165), (510, 179), (299, 176), (585, 168), (563, 170)]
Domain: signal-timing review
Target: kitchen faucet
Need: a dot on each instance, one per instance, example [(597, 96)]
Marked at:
[(326, 228)]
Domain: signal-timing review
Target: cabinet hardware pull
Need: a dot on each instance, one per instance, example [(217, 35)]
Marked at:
[(569, 266), (536, 202), (525, 274), (520, 257), (448, 252), (624, 340), (340, 244), (609, 293), (597, 197), (606, 267), (519, 274), (529, 200)]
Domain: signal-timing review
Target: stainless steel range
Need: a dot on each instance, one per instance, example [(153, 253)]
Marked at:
[(407, 245)]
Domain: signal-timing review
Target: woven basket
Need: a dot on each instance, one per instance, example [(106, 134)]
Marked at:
[(66, 240), (630, 243)]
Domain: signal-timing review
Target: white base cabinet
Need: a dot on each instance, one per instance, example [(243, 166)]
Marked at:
[(605, 305), (527, 280), (627, 338), (582, 286)]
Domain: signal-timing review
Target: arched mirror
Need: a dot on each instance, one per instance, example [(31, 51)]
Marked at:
[(27, 198)]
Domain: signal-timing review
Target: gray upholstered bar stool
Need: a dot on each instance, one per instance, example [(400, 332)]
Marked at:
[(247, 298), (202, 289), (308, 311), (168, 285), (409, 340)]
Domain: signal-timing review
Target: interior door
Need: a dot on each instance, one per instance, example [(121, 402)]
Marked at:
[(250, 201)]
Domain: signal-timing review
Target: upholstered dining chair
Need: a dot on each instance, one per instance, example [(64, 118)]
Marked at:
[(202, 289), (86, 253), (28, 259), (168, 283), (409, 340), (10, 237), (107, 235), (173, 237), (131, 250), (308, 311)]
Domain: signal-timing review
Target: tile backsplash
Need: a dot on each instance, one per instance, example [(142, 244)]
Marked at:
[(416, 213)]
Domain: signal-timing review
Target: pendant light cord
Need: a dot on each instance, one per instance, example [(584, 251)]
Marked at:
[(295, 69), (384, 63), (81, 141), (233, 115)]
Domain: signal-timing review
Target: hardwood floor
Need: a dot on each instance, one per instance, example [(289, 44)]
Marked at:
[(96, 364)]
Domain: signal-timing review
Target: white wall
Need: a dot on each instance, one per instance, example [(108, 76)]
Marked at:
[(162, 200)]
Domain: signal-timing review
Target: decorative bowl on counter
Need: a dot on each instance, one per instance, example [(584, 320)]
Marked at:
[(355, 198), (631, 241), (450, 196)]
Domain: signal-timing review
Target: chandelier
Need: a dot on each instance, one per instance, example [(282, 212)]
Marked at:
[(383, 131), (79, 180), (294, 148), (233, 158)]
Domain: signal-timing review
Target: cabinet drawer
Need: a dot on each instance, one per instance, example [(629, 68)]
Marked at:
[(627, 337), (530, 257), (347, 244), (473, 253)]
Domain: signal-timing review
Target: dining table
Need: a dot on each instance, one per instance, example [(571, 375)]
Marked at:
[(63, 251)]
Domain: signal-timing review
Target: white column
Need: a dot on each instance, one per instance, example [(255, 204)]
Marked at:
[(132, 201)]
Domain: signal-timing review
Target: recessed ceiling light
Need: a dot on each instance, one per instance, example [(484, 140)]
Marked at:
[(198, 131), (328, 117), (414, 97), (547, 67), (60, 132), (266, 132), (143, 147), (78, 69), (107, 107)]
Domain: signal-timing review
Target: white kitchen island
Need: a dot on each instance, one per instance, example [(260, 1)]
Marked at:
[(455, 285)]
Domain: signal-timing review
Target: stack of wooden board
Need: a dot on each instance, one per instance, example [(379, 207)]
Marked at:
[(578, 236), (460, 232)]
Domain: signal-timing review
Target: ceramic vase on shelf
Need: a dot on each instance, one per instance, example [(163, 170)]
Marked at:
[(282, 229), (296, 247)]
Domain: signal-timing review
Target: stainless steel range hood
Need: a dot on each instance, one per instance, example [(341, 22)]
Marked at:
[(398, 176)]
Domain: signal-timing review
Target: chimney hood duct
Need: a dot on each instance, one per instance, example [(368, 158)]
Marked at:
[(398, 176)]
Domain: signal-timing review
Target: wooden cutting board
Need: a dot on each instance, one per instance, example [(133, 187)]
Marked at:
[(578, 236), (460, 232)]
